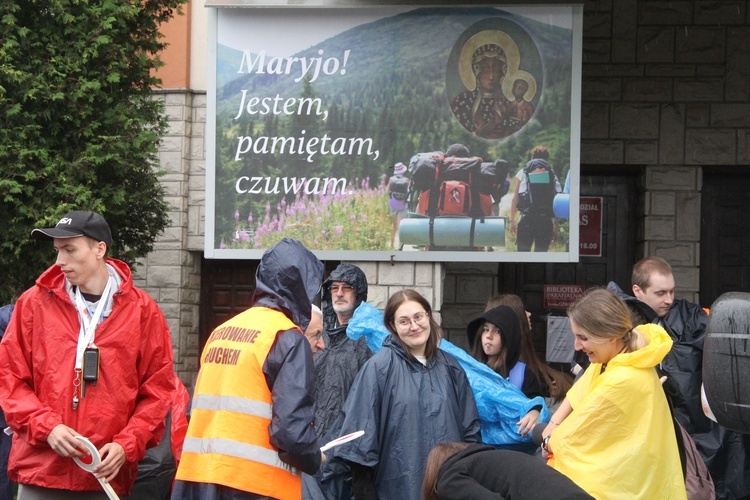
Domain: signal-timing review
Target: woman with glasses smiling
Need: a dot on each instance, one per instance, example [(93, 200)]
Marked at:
[(408, 397)]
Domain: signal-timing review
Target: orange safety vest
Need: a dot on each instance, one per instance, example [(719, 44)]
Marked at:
[(227, 440)]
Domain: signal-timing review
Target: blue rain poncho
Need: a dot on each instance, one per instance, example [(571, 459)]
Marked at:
[(500, 404)]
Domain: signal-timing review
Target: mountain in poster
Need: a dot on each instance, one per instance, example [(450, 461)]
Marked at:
[(395, 79)]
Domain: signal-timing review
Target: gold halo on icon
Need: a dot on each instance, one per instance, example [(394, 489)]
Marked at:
[(520, 75), (512, 54)]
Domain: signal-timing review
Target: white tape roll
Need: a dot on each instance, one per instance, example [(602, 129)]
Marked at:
[(96, 459)]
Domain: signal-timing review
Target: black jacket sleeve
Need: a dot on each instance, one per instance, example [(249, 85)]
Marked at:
[(532, 386), (363, 484), (290, 374)]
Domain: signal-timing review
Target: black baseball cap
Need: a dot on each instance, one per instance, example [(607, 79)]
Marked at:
[(77, 223)]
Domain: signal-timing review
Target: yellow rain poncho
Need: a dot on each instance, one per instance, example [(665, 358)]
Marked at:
[(619, 441)]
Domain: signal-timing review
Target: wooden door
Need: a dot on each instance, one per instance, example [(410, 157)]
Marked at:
[(725, 235), (227, 288)]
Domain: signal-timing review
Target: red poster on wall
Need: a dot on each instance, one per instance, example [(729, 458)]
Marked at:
[(590, 242), (561, 296)]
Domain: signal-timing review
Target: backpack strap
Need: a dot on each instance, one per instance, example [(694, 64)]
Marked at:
[(528, 188), (677, 427), (432, 204)]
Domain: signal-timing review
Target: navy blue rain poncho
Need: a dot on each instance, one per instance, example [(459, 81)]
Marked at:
[(338, 364), (406, 408)]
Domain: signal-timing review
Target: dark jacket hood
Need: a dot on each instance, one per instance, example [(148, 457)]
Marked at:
[(510, 331), (632, 302), (287, 279), (350, 274), (5, 313)]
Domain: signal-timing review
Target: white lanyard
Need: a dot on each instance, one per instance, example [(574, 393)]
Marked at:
[(89, 321)]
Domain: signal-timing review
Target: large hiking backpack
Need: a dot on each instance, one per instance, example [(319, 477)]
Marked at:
[(399, 187), (456, 185), (457, 192), (422, 167), (541, 187)]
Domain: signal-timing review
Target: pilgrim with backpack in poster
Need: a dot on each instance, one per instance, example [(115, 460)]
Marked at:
[(536, 187), (398, 189), (453, 199)]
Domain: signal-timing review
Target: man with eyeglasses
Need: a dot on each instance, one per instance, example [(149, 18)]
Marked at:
[(314, 332), (337, 365), (335, 368)]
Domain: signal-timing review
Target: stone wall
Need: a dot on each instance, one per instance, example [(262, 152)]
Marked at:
[(669, 215), (466, 289), (665, 90), (386, 278), (171, 273)]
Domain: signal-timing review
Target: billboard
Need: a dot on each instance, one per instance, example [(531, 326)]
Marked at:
[(395, 133)]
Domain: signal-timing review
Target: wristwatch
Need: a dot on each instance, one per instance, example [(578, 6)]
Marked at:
[(545, 442)]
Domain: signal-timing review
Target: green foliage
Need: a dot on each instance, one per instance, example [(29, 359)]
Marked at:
[(79, 127)]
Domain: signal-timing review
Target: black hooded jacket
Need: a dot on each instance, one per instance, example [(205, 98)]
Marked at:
[(338, 364), (484, 473), (506, 321), (510, 333), (287, 279)]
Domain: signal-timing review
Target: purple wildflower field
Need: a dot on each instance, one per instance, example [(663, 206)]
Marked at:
[(359, 220)]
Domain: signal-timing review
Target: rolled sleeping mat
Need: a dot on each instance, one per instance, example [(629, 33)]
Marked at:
[(561, 206), (453, 231)]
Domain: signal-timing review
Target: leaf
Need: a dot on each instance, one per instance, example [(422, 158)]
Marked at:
[(79, 128)]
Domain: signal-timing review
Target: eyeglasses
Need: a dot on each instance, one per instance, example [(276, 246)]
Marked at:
[(343, 288), (417, 318)]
